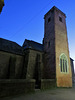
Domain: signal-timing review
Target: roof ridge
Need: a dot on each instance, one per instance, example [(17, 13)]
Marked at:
[(11, 41), (33, 41)]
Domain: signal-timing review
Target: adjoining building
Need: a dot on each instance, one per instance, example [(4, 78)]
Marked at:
[(1, 5), (72, 69), (47, 63)]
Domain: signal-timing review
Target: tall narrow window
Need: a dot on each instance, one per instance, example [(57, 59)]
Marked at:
[(66, 65), (60, 19), (48, 44), (63, 63), (49, 19), (63, 66)]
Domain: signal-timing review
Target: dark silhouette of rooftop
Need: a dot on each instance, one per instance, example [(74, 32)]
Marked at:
[(32, 45)]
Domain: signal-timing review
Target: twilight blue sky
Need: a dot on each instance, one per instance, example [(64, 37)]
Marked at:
[(23, 19)]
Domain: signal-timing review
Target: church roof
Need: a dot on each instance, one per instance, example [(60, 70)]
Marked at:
[(9, 46), (32, 45), (71, 59)]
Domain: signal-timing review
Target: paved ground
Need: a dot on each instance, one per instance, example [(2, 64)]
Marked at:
[(53, 94)]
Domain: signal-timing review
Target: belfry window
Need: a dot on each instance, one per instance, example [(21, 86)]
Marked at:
[(48, 44), (63, 63), (60, 19), (49, 19)]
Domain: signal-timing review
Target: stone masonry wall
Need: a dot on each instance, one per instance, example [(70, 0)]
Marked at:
[(61, 46), (49, 46), (48, 83), (32, 64), (10, 87), (11, 65)]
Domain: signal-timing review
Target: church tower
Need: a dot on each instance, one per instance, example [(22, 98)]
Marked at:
[(57, 60)]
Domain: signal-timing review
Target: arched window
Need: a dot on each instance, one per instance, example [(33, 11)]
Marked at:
[(63, 63)]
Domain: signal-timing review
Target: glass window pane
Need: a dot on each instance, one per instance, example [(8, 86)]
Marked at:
[(61, 64), (66, 65)]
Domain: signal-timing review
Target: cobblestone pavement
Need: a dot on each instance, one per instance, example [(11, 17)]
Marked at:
[(53, 94)]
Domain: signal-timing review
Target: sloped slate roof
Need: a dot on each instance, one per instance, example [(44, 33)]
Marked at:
[(9, 46), (71, 59), (32, 45)]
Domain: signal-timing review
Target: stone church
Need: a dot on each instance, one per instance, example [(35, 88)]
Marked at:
[(49, 63)]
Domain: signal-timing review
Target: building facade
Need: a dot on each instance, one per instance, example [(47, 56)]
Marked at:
[(56, 48), (48, 63)]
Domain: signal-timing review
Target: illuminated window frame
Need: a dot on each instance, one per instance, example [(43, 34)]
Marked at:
[(63, 63)]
